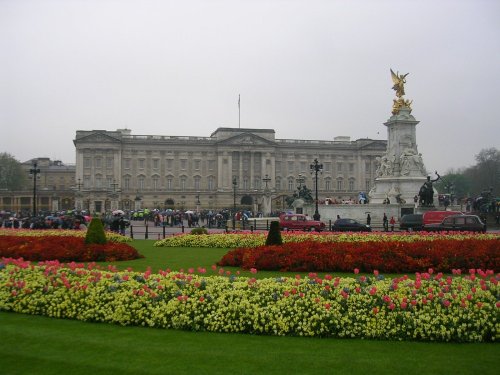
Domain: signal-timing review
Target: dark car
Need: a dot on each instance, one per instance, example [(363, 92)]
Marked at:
[(349, 225), (411, 222), (465, 223)]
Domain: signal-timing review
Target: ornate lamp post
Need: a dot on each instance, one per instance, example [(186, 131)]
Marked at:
[(235, 183), (34, 173), (300, 180), (315, 168)]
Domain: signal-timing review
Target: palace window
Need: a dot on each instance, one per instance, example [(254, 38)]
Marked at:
[(126, 163), (156, 163), (340, 184)]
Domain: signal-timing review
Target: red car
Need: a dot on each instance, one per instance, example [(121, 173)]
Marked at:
[(300, 222)]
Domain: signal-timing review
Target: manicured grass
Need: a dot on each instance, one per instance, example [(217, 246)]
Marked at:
[(40, 345)]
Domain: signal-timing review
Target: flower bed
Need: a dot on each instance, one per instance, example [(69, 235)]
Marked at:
[(64, 248), (110, 236), (431, 307), (390, 257), (231, 240)]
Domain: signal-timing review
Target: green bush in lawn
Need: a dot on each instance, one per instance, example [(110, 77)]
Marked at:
[(201, 230), (95, 232), (274, 235)]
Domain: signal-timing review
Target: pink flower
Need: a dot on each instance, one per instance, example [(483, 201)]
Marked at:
[(375, 310), (392, 306), (286, 293), (214, 267), (327, 306), (328, 277), (253, 270), (375, 272), (202, 299), (191, 270), (446, 303), (373, 291), (404, 305), (356, 271)]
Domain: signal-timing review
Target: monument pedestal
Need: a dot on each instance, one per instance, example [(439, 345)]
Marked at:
[(401, 171)]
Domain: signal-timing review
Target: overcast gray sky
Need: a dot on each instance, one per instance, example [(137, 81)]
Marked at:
[(309, 69)]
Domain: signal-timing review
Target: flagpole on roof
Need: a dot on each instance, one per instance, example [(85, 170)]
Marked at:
[(239, 111)]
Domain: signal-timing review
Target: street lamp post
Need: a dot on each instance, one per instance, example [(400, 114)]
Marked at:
[(34, 172), (235, 183), (300, 180), (315, 168)]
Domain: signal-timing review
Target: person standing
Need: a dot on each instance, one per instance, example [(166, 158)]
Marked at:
[(368, 220), (392, 222), (386, 223)]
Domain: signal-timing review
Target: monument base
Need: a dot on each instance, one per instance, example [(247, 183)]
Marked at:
[(396, 189)]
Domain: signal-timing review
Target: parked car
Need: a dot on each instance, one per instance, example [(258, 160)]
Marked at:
[(436, 217), (465, 223), (349, 225), (300, 222), (411, 222)]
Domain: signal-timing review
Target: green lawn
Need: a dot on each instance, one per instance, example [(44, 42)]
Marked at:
[(40, 345)]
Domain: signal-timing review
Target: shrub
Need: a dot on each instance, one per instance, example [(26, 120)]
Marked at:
[(95, 232), (274, 235), (201, 230)]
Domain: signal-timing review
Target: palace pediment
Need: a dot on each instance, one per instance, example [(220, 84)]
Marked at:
[(246, 139), (97, 138)]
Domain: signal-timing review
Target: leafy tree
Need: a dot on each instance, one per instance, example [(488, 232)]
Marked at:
[(485, 175), (456, 183), (12, 175)]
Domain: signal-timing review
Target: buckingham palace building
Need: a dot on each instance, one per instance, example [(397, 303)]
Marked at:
[(233, 167)]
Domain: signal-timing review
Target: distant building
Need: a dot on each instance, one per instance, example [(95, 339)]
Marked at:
[(115, 169), (55, 188)]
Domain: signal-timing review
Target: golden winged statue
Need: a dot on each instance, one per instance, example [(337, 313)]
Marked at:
[(399, 82)]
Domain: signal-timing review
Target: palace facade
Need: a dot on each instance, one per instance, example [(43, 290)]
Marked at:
[(232, 167), (55, 188)]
